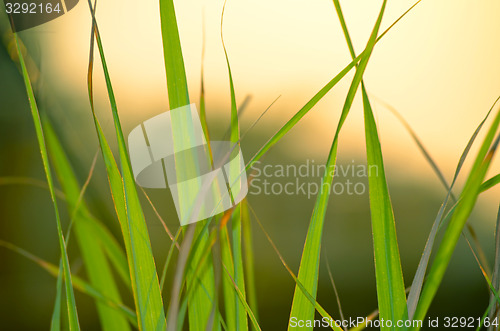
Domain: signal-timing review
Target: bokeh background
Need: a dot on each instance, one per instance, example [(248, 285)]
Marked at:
[(437, 67)]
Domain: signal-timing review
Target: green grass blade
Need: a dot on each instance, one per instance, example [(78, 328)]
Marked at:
[(94, 259), (249, 258), (389, 276), (228, 288), (495, 283), (390, 284), (317, 97), (495, 180), (236, 274), (239, 278), (55, 322), (70, 296), (422, 267), (464, 208), (145, 285), (309, 265), (200, 303), (178, 95)]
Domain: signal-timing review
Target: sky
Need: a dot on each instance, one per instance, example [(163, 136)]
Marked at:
[(437, 67)]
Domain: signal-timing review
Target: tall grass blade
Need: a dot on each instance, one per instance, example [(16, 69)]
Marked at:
[(390, 284), (317, 97), (93, 255), (236, 273), (70, 296), (178, 95), (389, 276), (227, 260), (309, 265), (464, 208), (55, 321), (424, 260), (495, 282), (145, 285), (249, 259)]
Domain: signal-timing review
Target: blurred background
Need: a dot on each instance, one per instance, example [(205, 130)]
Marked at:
[(437, 67)]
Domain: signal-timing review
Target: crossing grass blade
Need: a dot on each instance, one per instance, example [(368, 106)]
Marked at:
[(317, 97), (145, 285), (464, 207), (389, 276), (70, 296), (94, 257), (302, 308)]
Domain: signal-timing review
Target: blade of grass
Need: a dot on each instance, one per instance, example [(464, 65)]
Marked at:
[(94, 259), (145, 285), (227, 260), (390, 284), (236, 271), (249, 259), (178, 97), (302, 288), (309, 265), (420, 273), (337, 297), (317, 97), (389, 276), (55, 321), (464, 208), (70, 296), (494, 311)]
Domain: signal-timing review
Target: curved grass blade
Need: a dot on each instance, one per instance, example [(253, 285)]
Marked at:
[(464, 208), (93, 254), (70, 296), (317, 97), (309, 265), (145, 285)]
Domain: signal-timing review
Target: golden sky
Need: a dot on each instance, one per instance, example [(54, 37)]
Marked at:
[(439, 66)]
